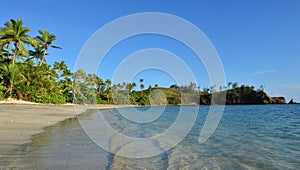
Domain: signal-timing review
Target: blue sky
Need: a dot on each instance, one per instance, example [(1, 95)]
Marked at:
[(257, 41)]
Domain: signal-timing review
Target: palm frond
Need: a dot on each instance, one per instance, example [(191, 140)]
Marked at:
[(53, 46)]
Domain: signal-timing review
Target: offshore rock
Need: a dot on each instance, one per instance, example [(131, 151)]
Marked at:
[(292, 101), (278, 100)]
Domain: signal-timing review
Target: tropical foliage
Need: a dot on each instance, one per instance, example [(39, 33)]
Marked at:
[(23, 71)]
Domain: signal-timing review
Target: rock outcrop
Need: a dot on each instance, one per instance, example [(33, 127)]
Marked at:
[(237, 96), (278, 100), (292, 101), (247, 95)]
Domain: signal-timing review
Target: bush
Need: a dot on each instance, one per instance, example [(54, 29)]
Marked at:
[(174, 100), (100, 100), (42, 96)]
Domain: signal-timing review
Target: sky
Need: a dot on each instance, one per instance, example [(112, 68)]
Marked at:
[(257, 41)]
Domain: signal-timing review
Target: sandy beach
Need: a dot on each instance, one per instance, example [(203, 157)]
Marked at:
[(21, 120)]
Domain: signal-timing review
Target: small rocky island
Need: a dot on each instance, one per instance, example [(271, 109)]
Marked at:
[(292, 101)]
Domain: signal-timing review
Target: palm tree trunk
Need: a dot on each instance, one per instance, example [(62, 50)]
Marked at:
[(43, 59), (9, 48), (10, 91), (5, 93), (14, 57), (15, 54)]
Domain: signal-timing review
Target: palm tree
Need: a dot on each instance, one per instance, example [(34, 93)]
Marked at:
[(15, 33), (59, 67), (90, 79), (150, 88), (125, 86), (62, 70), (108, 83), (133, 85), (142, 86), (229, 85), (206, 89), (62, 75), (37, 53), (108, 91), (99, 83), (213, 88), (79, 75), (130, 86), (30, 72), (235, 85), (82, 93), (261, 88), (45, 40), (119, 86)]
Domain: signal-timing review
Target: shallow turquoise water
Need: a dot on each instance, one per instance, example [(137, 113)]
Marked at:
[(248, 137)]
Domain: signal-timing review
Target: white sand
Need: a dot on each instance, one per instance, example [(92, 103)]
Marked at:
[(20, 120)]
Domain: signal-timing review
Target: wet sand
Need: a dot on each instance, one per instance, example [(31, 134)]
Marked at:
[(20, 121)]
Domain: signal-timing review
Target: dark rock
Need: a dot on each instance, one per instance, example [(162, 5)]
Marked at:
[(247, 95), (292, 101), (278, 100)]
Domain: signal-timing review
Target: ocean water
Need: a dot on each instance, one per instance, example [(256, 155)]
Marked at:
[(247, 137)]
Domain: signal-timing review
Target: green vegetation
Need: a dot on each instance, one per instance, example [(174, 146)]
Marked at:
[(24, 72), (26, 75)]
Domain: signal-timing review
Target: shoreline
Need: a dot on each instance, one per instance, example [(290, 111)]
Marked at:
[(21, 121)]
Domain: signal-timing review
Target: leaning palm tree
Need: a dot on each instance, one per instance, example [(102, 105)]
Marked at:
[(14, 33), (45, 40)]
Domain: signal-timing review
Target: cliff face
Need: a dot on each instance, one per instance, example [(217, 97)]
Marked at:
[(247, 95), (278, 100)]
